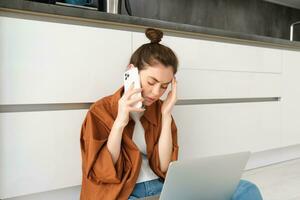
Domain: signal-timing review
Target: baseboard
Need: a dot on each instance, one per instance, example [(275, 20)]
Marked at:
[(273, 156)]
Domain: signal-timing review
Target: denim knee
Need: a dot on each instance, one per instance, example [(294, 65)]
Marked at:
[(246, 191)]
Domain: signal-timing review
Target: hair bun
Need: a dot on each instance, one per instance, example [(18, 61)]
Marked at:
[(154, 35)]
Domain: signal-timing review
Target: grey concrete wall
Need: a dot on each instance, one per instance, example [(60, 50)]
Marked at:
[(247, 16)]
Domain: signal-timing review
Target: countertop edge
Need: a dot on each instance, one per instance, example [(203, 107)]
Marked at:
[(29, 7)]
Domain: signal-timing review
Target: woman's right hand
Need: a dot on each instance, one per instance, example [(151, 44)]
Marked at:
[(126, 105)]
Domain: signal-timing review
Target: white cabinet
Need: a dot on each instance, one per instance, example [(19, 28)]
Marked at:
[(39, 151), (211, 70), (46, 62), (211, 55), (205, 130), (207, 84), (291, 98)]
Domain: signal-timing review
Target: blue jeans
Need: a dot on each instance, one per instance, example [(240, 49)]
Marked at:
[(244, 191)]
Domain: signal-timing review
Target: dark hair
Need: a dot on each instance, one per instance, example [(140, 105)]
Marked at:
[(153, 52)]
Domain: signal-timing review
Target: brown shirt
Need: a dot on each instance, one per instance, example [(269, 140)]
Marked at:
[(101, 179)]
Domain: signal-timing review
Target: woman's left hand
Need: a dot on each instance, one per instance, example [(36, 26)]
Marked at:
[(171, 99)]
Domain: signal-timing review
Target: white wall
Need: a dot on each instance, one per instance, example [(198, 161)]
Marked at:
[(48, 63)]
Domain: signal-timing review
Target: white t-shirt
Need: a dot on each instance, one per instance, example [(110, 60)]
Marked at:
[(138, 138)]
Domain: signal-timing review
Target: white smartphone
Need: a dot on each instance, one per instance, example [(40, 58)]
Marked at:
[(132, 76)]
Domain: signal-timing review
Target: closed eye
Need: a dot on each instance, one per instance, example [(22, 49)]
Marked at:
[(163, 87)]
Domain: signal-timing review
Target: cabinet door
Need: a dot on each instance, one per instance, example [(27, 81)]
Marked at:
[(291, 98), (46, 62), (208, 84), (40, 151), (205, 130), (212, 55)]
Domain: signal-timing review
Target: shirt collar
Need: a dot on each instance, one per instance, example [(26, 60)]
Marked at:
[(151, 113)]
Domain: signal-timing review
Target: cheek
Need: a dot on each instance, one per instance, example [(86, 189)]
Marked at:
[(145, 88)]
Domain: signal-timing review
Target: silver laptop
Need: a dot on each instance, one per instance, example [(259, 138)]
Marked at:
[(208, 178)]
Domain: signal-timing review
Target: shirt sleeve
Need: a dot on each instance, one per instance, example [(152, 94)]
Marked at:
[(97, 161), (155, 155)]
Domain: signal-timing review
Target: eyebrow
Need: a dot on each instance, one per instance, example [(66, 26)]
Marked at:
[(158, 81)]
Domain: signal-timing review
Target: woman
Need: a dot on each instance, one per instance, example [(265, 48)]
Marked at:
[(126, 150)]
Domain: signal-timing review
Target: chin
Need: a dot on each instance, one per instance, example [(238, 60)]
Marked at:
[(149, 103)]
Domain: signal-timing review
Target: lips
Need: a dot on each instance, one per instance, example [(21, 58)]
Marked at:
[(150, 99)]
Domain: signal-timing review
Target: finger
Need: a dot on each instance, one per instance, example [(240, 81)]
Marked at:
[(132, 101), (174, 85), (174, 81)]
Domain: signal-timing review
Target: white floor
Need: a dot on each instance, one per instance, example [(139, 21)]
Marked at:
[(277, 182)]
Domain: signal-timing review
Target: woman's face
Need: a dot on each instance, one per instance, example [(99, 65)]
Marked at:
[(154, 81)]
